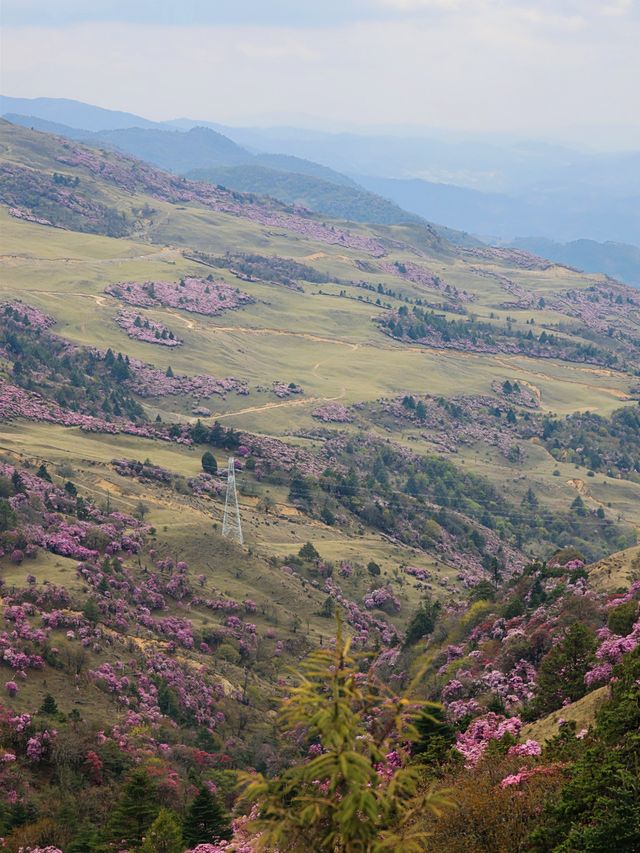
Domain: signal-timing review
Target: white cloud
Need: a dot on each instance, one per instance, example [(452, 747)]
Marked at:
[(496, 66)]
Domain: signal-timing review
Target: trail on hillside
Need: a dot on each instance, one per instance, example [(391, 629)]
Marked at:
[(285, 403)]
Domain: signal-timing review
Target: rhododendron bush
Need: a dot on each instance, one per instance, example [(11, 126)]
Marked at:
[(145, 329), (198, 295)]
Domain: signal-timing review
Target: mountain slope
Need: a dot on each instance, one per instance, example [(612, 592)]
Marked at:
[(204, 154), (617, 260), (323, 197)]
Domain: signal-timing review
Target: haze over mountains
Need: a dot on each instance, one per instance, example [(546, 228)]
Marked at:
[(501, 191)]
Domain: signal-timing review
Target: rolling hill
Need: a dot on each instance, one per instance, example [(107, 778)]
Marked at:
[(437, 442)]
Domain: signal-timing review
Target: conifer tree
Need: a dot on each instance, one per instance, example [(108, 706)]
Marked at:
[(357, 794), (205, 820), (49, 705), (209, 463), (136, 810), (164, 835)]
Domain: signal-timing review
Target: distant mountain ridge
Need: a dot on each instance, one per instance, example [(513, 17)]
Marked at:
[(618, 260), (204, 154), (494, 188)]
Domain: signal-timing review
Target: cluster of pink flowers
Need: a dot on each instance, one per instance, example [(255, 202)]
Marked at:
[(529, 747), (141, 470), (364, 623), (20, 213), (332, 413), (204, 483), (48, 849), (197, 295), (416, 572), (148, 381), (610, 652), (27, 315), (382, 599), (283, 389), (16, 402), (38, 745), (143, 328), (473, 743), (516, 779)]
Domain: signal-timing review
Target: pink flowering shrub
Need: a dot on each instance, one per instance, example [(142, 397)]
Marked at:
[(473, 743), (382, 599), (529, 747), (27, 316), (197, 295), (332, 413), (143, 328)]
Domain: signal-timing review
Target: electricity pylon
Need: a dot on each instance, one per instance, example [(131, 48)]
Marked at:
[(231, 527)]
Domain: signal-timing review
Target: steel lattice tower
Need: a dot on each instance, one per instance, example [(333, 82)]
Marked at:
[(231, 527)]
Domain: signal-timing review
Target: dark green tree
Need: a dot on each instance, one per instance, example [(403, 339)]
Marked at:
[(423, 622), (91, 611), (205, 820), (49, 705), (199, 433), (598, 810), (136, 810), (7, 516), (308, 552), (209, 463), (562, 671), (43, 473)]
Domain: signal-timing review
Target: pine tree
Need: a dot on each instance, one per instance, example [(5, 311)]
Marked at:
[(136, 810), (205, 820), (49, 705), (562, 672), (164, 835), (91, 611), (209, 463), (43, 473)]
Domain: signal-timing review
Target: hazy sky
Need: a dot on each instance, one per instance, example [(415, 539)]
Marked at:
[(524, 66)]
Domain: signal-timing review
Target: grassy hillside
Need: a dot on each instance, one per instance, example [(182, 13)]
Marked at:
[(324, 197), (377, 469)]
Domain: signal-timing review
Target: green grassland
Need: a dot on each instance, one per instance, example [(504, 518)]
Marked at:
[(327, 343)]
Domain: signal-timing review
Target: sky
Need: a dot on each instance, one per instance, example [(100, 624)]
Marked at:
[(546, 68)]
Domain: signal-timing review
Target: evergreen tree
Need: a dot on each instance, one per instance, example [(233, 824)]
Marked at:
[(308, 552), (598, 810), (43, 473), (327, 516), (91, 611), (562, 671), (299, 489), (209, 463), (136, 810), (205, 820), (7, 516), (199, 433), (49, 705), (423, 622), (164, 835)]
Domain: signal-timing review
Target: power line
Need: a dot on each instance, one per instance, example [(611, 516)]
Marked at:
[(231, 526)]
